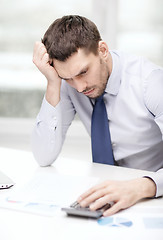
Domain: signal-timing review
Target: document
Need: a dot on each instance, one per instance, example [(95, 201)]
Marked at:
[(47, 192)]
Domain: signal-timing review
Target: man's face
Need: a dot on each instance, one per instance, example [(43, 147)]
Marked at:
[(87, 73)]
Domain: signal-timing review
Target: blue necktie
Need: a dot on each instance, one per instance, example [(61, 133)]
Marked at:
[(100, 134)]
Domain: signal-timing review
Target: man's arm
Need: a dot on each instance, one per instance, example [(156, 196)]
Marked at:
[(153, 98), (42, 61), (55, 114)]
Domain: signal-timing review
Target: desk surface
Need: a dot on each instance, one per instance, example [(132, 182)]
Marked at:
[(20, 166)]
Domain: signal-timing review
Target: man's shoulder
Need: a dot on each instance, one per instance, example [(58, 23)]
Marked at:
[(127, 57), (135, 64)]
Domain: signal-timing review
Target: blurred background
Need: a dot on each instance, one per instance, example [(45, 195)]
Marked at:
[(132, 26)]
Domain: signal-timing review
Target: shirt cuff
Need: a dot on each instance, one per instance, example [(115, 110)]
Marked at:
[(48, 114), (157, 177)]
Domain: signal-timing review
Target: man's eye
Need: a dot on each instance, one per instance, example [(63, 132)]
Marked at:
[(83, 72)]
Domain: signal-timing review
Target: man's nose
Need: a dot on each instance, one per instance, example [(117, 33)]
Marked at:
[(80, 85)]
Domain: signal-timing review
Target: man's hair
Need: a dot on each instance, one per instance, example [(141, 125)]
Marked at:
[(69, 33)]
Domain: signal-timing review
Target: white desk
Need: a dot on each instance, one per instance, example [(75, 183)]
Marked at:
[(20, 166)]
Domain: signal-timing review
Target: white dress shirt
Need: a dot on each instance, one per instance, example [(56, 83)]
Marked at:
[(134, 103)]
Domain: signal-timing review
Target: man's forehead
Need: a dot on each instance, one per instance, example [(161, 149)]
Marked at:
[(72, 66), (67, 73), (79, 55)]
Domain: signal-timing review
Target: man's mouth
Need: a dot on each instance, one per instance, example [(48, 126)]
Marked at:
[(88, 92)]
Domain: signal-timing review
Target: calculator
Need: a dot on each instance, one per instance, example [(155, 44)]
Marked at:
[(76, 210)]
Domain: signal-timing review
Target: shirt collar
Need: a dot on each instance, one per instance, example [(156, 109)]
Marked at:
[(114, 80)]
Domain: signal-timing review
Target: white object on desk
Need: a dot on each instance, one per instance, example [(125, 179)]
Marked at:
[(46, 192), (5, 181), (18, 225)]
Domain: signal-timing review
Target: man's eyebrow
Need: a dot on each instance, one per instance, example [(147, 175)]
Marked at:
[(81, 71), (63, 77)]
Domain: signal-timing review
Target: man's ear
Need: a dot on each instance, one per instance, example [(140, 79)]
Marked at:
[(103, 49)]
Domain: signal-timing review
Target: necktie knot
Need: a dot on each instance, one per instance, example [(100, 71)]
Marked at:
[(98, 99)]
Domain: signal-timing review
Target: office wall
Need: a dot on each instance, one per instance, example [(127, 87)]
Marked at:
[(132, 26)]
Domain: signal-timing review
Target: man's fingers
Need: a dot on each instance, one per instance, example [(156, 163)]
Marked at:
[(92, 190), (39, 52), (38, 45), (102, 201), (114, 209), (45, 58), (42, 52), (36, 48), (41, 58), (92, 197)]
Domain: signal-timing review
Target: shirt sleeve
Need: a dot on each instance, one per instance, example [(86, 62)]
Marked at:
[(50, 129), (154, 103)]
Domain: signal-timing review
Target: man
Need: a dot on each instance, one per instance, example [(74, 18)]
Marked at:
[(79, 68)]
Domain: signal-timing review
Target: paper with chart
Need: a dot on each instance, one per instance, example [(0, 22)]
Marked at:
[(140, 221), (144, 220), (47, 192)]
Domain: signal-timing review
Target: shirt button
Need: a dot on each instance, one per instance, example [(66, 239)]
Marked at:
[(113, 145), (53, 128)]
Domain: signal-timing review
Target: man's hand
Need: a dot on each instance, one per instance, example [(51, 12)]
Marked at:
[(123, 193), (43, 63)]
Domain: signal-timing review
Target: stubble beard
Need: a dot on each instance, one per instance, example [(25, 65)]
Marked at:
[(101, 88), (104, 80)]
